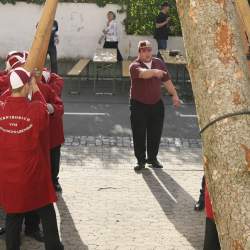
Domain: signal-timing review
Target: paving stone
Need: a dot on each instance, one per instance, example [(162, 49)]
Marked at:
[(128, 141)]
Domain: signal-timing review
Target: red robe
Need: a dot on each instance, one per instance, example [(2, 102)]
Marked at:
[(56, 130), (56, 82), (3, 72), (4, 81), (25, 179), (56, 124), (208, 205)]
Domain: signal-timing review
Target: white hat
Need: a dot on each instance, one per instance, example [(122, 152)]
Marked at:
[(46, 76), (19, 77), (14, 62), (144, 44), (24, 54)]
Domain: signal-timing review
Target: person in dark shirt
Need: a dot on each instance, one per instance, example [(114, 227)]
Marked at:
[(162, 27), (147, 109), (52, 51)]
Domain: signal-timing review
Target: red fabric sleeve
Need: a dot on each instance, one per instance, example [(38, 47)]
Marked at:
[(5, 94), (4, 83), (38, 96), (56, 83), (4, 72), (166, 76), (208, 205), (43, 116), (134, 71), (57, 103)]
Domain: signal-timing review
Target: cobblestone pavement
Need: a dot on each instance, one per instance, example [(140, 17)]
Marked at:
[(105, 205), (128, 141)]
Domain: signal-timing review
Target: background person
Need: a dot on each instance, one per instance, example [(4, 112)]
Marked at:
[(111, 34), (52, 50), (162, 28)]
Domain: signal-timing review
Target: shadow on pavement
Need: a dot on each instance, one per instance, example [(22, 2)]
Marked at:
[(177, 205), (69, 234)]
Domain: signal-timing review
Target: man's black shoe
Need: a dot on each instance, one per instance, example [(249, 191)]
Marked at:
[(139, 167), (38, 236), (2, 230), (155, 163), (200, 204), (58, 187)]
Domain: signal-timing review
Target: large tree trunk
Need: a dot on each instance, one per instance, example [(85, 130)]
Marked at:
[(220, 80)]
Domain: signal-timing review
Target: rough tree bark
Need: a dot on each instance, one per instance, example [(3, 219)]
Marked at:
[(221, 85)]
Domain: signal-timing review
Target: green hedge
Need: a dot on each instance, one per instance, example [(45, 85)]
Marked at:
[(141, 14), (141, 17)]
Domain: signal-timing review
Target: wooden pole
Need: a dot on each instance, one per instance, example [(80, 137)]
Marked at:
[(38, 51), (243, 10)]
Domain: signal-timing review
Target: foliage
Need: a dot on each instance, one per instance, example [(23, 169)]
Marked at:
[(141, 17)]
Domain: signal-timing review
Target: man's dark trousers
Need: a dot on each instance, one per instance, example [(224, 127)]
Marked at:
[(53, 58), (211, 241), (48, 219), (32, 221), (55, 155), (162, 45), (147, 124)]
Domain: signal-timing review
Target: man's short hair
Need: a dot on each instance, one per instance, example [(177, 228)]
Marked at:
[(113, 13), (18, 90), (165, 4)]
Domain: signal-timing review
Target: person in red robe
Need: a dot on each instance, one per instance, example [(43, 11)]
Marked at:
[(25, 180), (15, 59), (55, 82), (211, 241)]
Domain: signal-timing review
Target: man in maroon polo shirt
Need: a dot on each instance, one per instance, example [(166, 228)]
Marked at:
[(147, 109)]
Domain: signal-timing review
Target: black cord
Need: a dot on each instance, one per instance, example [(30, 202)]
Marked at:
[(223, 117)]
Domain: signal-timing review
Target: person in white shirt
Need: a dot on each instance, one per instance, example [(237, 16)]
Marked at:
[(111, 34)]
